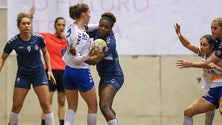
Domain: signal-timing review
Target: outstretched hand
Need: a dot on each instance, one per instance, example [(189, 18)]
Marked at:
[(177, 29), (183, 64)]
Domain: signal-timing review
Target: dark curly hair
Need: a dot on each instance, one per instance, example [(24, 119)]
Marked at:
[(108, 16)]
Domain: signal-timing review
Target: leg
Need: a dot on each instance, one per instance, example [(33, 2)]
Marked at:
[(220, 105), (51, 100), (197, 107), (106, 95), (44, 100), (18, 100), (72, 99), (61, 107), (58, 74), (209, 116), (91, 101)]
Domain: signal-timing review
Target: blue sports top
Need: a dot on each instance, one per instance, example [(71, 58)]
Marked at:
[(28, 53), (218, 50), (109, 67)]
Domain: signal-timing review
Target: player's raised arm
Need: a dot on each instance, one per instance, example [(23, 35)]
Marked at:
[(185, 42)]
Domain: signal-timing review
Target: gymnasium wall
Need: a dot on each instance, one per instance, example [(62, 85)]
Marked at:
[(155, 91)]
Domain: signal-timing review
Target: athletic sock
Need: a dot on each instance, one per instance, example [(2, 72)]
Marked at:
[(209, 116), (117, 120), (61, 122), (13, 118), (188, 120), (69, 117), (113, 122), (43, 122), (92, 119), (49, 118)]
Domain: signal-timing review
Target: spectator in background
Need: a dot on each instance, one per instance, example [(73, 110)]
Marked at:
[(56, 46)]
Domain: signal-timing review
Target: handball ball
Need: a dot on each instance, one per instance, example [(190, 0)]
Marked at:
[(99, 45)]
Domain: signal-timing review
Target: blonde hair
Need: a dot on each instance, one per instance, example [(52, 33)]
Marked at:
[(21, 16), (218, 20)]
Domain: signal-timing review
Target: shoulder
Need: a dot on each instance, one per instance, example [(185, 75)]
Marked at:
[(14, 38), (44, 34), (71, 31), (36, 35), (111, 39)]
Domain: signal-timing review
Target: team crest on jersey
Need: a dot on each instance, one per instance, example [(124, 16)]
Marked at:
[(29, 48), (36, 47)]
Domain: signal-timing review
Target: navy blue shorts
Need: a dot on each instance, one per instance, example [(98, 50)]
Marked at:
[(37, 79), (116, 82), (80, 79), (213, 95)]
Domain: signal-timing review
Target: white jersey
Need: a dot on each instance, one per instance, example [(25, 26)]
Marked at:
[(206, 78), (78, 39), (211, 78)]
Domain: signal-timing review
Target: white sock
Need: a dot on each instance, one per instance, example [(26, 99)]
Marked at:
[(69, 117), (188, 120), (13, 118), (113, 122), (209, 116), (92, 119), (49, 118)]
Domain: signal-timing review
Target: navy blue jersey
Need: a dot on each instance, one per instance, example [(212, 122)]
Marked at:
[(218, 50), (109, 67), (28, 53)]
